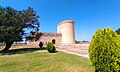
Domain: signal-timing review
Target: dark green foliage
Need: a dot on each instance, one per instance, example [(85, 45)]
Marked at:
[(118, 31), (104, 51), (34, 36), (77, 42), (40, 44), (13, 24), (50, 47)]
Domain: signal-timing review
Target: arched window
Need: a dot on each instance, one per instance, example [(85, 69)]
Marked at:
[(53, 41)]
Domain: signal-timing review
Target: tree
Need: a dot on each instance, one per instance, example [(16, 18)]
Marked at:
[(13, 24), (104, 51), (34, 36), (40, 44), (50, 47), (118, 31)]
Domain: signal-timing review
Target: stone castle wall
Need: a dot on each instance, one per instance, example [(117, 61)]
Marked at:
[(65, 34), (48, 37)]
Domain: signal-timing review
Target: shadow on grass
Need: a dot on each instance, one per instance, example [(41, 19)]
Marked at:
[(20, 51), (53, 52)]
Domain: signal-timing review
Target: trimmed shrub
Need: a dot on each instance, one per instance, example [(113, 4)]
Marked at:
[(40, 44), (50, 47), (104, 51)]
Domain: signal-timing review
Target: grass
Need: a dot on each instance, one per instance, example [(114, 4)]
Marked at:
[(39, 60)]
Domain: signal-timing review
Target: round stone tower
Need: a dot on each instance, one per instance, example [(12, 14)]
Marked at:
[(66, 28)]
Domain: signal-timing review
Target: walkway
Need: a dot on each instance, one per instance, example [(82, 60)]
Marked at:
[(80, 50)]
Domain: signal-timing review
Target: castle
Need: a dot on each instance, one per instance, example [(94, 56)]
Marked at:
[(65, 34)]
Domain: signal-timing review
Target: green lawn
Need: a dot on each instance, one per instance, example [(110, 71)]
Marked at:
[(39, 60)]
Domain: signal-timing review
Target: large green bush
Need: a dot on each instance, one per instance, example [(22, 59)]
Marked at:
[(50, 47), (104, 51)]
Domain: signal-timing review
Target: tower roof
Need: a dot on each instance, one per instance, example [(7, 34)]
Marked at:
[(65, 21)]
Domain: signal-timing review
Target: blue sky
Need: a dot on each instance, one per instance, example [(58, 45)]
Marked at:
[(87, 14)]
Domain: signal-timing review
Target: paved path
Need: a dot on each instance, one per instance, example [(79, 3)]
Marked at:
[(80, 51)]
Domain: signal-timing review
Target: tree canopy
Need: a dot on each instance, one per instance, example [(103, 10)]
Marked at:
[(14, 22), (118, 31)]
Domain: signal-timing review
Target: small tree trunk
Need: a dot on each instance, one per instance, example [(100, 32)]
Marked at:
[(8, 45)]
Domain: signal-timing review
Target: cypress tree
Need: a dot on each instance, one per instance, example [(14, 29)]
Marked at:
[(104, 50)]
